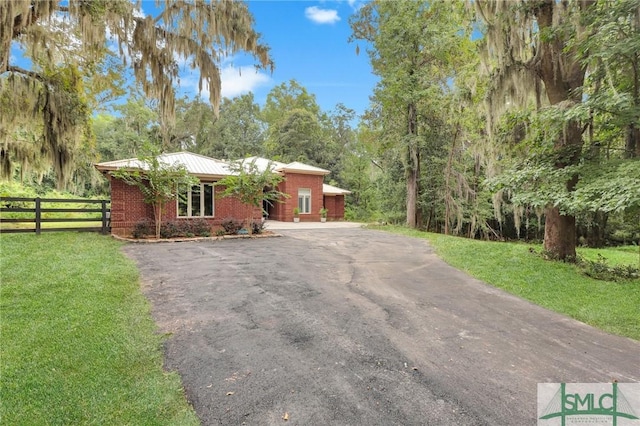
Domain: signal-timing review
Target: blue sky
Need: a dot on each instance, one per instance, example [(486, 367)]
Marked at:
[(309, 43)]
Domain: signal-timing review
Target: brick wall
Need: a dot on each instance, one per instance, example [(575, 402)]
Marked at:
[(335, 206), (291, 184), (339, 208), (128, 208)]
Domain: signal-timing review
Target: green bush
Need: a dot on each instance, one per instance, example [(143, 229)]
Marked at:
[(257, 226), (231, 226), (142, 228), (172, 229), (199, 227), (599, 269)]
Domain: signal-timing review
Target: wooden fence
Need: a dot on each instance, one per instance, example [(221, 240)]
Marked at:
[(23, 207)]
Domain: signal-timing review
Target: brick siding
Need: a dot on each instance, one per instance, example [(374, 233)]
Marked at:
[(128, 208), (335, 206), (292, 182)]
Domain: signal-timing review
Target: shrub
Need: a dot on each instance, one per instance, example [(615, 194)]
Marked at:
[(231, 226), (142, 228), (257, 226), (185, 228), (199, 227), (600, 270), (170, 229), (175, 228)]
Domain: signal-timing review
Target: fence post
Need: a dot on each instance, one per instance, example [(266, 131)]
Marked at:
[(38, 216), (104, 217)]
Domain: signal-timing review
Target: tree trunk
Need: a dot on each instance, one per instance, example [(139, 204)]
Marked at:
[(562, 73), (250, 225), (447, 181), (597, 232), (632, 139), (412, 198), (560, 230), (632, 142), (157, 211), (412, 167), (559, 235)]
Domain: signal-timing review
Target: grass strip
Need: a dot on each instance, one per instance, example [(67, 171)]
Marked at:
[(79, 345), (519, 269)]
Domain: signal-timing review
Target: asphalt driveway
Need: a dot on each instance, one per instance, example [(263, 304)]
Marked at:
[(359, 327)]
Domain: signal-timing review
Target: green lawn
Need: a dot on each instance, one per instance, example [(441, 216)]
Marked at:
[(78, 344), (610, 306)]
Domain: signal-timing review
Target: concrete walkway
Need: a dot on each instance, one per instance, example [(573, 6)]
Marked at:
[(274, 225)]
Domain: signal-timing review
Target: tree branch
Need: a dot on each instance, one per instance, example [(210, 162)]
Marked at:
[(377, 165), (28, 73)]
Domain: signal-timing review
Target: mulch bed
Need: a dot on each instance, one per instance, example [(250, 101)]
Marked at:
[(151, 239)]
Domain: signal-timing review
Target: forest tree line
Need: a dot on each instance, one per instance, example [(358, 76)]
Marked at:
[(490, 119)]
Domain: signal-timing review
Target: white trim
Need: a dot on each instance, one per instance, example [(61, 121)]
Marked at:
[(189, 201), (304, 193)]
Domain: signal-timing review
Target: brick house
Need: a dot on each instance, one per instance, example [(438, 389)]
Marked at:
[(303, 183)]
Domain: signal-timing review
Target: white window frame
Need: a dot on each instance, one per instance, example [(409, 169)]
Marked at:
[(304, 194), (202, 201)]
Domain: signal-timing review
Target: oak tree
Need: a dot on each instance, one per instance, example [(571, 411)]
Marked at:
[(44, 107)]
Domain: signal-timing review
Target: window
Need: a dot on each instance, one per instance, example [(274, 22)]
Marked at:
[(304, 200), (197, 202)]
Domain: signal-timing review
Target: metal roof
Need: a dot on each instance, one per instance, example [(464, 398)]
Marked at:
[(333, 190), (262, 163), (197, 165), (202, 166), (297, 167), (277, 166)]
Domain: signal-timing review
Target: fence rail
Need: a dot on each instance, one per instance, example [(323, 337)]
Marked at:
[(17, 205)]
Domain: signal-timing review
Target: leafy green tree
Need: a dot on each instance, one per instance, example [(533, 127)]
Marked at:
[(614, 75), (193, 125), (291, 114), (339, 140), (251, 186), (535, 62), (286, 97), (413, 46), (564, 110), (467, 207), (158, 181), (297, 129), (239, 131), (358, 174), (66, 39), (298, 138), (125, 135)]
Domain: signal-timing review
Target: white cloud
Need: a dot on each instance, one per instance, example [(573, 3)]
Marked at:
[(356, 5), (237, 81), (321, 16), (139, 13)]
